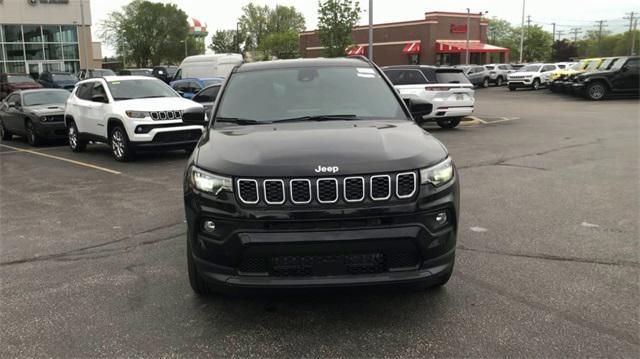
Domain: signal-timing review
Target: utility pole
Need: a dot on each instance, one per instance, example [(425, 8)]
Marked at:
[(124, 54), (601, 24), (467, 31), (633, 37), (522, 32), (575, 32), (528, 21), (632, 30), (84, 36), (560, 33), (553, 41), (370, 30)]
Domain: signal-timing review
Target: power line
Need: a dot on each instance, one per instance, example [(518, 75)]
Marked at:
[(632, 30), (601, 24), (575, 32)]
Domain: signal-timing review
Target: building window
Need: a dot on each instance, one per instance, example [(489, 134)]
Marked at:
[(70, 51), (32, 33), (414, 59), (16, 67), (72, 66), (34, 51), (52, 33), (53, 51), (12, 33), (14, 52), (69, 33)]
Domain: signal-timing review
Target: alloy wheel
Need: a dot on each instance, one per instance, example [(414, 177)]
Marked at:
[(596, 92), (499, 82), (117, 143), (31, 134), (73, 136)]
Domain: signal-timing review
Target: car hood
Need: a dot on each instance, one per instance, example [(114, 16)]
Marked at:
[(25, 85), (44, 110), (297, 149), (158, 104), (528, 73)]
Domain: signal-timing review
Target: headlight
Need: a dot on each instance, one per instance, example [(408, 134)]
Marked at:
[(209, 182), (137, 114), (437, 175)]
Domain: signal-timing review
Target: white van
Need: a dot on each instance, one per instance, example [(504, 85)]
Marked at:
[(201, 66)]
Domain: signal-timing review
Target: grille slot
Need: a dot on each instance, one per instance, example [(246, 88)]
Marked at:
[(273, 191), (300, 191), (248, 191), (327, 189), (405, 184), (354, 189), (380, 187)]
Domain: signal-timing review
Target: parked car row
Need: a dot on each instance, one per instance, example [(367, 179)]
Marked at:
[(598, 78)]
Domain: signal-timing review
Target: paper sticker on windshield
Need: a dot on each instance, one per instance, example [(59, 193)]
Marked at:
[(365, 72)]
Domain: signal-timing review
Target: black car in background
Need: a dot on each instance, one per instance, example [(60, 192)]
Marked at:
[(35, 114), (164, 73), (63, 80), (207, 96), (622, 78), (94, 73), (136, 72)]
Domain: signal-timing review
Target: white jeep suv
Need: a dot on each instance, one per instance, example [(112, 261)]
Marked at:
[(130, 113), (532, 75)]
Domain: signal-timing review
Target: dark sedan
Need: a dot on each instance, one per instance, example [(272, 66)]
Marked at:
[(61, 80), (207, 96), (36, 114)]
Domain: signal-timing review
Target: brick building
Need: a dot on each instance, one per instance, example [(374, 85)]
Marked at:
[(439, 38)]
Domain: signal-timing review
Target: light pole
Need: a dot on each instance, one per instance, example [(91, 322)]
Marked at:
[(467, 31), (370, 30), (522, 32)]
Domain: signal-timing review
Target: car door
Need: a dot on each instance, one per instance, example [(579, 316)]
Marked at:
[(546, 71), (82, 106), (629, 76), (12, 117), (97, 109)]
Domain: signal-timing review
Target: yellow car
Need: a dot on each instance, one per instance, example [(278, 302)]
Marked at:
[(559, 77)]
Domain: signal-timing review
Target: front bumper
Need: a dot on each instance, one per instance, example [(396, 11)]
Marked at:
[(168, 138), (519, 83), (51, 130), (336, 247)]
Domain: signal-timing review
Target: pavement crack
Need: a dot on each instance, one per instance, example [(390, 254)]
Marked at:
[(572, 318), (551, 257), (503, 161), (90, 250)]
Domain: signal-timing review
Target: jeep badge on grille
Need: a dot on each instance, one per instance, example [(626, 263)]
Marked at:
[(329, 169)]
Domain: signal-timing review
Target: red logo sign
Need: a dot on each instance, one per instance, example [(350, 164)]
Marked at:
[(458, 29)]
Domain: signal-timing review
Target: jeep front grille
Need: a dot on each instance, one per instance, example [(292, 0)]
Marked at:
[(166, 115), (327, 190)]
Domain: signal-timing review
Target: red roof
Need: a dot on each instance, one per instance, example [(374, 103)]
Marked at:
[(455, 46), (355, 50), (411, 48)]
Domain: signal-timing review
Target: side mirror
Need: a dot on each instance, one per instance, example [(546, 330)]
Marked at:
[(99, 98), (624, 68), (194, 116), (418, 108)]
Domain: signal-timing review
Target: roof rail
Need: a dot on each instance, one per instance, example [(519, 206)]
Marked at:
[(360, 57)]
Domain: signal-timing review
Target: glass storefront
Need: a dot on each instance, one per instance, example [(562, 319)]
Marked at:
[(35, 48)]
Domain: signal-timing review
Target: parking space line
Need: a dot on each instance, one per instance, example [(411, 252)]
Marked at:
[(63, 159), (474, 118), (39, 150)]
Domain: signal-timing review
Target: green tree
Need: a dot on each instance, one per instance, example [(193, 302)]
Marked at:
[(285, 19), (537, 43), (336, 19), (224, 41), (564, 50), (148, 33), (259, 23), (254, 23), (283, 45)]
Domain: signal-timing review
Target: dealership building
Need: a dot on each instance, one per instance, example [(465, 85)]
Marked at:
[(39, 35), (438, 39)]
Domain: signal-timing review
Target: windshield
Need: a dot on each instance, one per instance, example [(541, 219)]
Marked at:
[(63, 77), (171, 71), (576, 66), (14, 79), (530, 68), (102, 72), (279, 94), (451, 77), (45, 98), (135, 89), (607, 64), (593, 65)]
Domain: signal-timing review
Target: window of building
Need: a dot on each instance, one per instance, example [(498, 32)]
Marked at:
[(69, 33), (70, 51), (14, 52), (32, 33), (12, 33), (53, 51), (51, 33), (34, 51)]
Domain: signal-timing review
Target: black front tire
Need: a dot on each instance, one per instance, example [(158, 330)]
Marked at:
[(196, 281), (4, 134), (450, 123), (121, 147), (32, 136), (75, 143), (511, 88), (485, 82), (596, 91), (536, 84), (499, 81)]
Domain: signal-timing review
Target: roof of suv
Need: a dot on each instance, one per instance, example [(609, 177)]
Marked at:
[(416, 67), (314, 62)]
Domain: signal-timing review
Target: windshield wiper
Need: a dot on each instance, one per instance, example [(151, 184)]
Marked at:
[(239, 121), (319, 118)]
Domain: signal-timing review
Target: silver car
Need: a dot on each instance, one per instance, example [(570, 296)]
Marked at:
[(498, 73), (478, 75)]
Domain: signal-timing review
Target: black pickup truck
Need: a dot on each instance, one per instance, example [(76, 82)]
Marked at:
[(314, 173), (622, 78)]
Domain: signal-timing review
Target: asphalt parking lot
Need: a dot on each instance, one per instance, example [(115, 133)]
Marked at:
[(93, 256)]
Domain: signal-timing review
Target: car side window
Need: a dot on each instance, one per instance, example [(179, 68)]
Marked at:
[(84, 91), (207, 95), (194, 87), (548, 68), (479, 69), (98, 90), (181, 86), (178, 75), (502, 67), (633, 64), (406, 77), (15, 98)]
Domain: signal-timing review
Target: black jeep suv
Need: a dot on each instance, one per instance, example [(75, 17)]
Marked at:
[(622, 77), (313, 173)]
